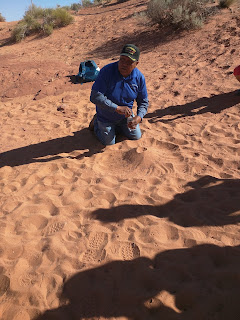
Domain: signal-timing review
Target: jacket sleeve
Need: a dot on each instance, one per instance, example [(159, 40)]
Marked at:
[(100, 100), (142, 99), (99, 89)]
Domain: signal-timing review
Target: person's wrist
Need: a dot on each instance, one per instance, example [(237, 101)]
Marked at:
[(139, 119)]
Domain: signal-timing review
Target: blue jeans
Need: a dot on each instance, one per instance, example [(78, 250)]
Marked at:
[(106, 131)]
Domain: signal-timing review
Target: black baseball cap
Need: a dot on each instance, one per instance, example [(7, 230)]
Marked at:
[(131, 51)]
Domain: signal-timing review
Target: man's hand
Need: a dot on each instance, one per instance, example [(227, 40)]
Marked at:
[(135, 121), (126, 111)]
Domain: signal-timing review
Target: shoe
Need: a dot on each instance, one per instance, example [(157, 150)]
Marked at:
[(91, 124)]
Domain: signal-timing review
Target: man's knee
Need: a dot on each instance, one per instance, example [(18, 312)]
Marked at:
[(105, 134), (137, 137), (136, 134), (107, 141)]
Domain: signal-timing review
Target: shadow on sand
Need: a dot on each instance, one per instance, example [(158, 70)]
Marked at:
[(6, 42), (146, 40), (210, 201), (202, 282), (50, 150), (77, 80), (106, 7), (214, 104)]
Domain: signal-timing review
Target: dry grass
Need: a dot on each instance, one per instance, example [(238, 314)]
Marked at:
[(2, 19), (181, 14), (41, 21)]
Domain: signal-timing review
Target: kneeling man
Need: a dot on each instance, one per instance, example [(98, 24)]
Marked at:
[(116, 88)]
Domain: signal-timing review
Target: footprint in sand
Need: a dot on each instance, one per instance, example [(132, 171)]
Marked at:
[(22, 315), (53, 228), (217, 161), (27, 280), (4, 284), (37, 221), (164, 235), (98, 240), (130, 251), (9, 251), (96, 251), (34, 259), (92, 255)]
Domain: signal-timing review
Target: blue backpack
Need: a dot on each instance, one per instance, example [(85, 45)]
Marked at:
[(88, 71)]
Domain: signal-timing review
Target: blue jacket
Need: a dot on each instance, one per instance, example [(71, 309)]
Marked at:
[(111, 89)]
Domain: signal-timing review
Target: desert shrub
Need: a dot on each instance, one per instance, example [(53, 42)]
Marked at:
[(2, 19), (97, 2), (75, 6), (102, 2), (87, 3), (67, 8), (182, 14), (141, 17), (47, 29), (42, 21), (226, 3), (61, 18), (20, 31)]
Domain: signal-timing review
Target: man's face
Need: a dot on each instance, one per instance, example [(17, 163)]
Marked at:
[(126, 66)]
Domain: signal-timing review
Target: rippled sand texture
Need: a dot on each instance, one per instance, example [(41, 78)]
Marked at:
[(142, 230)]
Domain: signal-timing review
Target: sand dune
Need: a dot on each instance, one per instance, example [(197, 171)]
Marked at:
[(141, 230)]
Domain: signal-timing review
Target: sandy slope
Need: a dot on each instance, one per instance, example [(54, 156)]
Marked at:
[(138, 230)]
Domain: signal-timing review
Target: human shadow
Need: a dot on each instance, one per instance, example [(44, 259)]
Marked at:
[(51, 149), (200, 282), (207, 201), (214, 104)]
